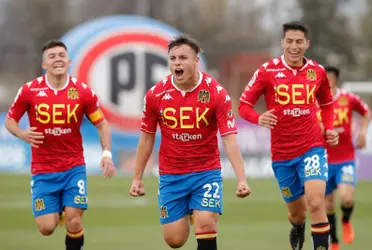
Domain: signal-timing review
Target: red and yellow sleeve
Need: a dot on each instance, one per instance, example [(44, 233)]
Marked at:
[(92, 110)]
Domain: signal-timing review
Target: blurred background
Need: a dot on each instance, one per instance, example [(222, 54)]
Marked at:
[(118, 47)]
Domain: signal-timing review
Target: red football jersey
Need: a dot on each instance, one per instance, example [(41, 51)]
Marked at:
[(345, 104), (189, 122), (293, 93), (58, 115)]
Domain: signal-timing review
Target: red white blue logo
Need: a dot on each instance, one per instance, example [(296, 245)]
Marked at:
[(121, 57)]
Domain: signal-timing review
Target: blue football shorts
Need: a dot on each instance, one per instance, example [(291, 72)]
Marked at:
[(341, 173), (292, 174), (180, 194), (52, 192)]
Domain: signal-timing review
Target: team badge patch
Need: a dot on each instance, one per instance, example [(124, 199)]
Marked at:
[(72, 94), (286, 192), (163, 212), (203, 96), (39, 205), (343, 101), (311, 75)]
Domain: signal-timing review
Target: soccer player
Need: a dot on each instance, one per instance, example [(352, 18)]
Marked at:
[(292, 86), (190, 107), (56, 104), (342, 172)]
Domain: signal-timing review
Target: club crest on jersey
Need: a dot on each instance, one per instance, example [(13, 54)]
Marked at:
[(311, 75), (203, 96), (163, 212), (72, 94), (343, 101)]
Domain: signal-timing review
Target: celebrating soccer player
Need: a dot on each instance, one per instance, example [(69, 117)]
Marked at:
[(56, 104), (292, 86), (190, 107), (342, 172)]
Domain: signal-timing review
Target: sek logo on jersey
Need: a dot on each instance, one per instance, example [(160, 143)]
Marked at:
[(187, 115), (295, 94), (341, 116), (56, 113)]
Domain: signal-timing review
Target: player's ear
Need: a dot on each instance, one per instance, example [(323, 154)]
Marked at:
[(282, 42), (43, 65), (307, 43), (197, 62)]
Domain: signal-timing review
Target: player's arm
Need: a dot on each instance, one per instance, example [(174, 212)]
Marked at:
[(144, 150), (362, 108), (15, 113), (253, 91), (228, 131), (96, 117), (104, 133), (325, 101), (145, 143), (232, 149)]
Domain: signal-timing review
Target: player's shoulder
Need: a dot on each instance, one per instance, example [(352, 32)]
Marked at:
[(314, 65), (347, 94), (212, 85), (161, 86), (33, 84), (79, 85)]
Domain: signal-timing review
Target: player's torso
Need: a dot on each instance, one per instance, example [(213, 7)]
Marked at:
[(342, 114), (57, 114), (294, 92), (186, 116), (342, 124)]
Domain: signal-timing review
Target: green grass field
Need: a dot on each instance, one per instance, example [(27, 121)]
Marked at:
[(116, 221)]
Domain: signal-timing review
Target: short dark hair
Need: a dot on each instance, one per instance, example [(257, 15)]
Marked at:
[(184, 39), (296, 25), (52, 44), (333, 69)]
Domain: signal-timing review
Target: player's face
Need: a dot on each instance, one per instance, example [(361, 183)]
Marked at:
[(295, 44), (332, 79), (183, 63), (56, 61)]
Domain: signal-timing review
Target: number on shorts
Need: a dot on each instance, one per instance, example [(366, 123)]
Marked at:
[(209, 189), (348, 170), (81, 186), (312, 162)]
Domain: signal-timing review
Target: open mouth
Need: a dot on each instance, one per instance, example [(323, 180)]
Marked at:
[(294, 53), (179, 73)]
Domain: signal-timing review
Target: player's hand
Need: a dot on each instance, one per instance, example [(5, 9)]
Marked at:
[(108, 168), (331, 137), (243, 189), (137, 189), (268, 119), (361, 141), (32, 137)]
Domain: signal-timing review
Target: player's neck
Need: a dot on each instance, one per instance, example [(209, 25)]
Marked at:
[(57, 82), (334, 90), (190, 84), (295, 64)]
